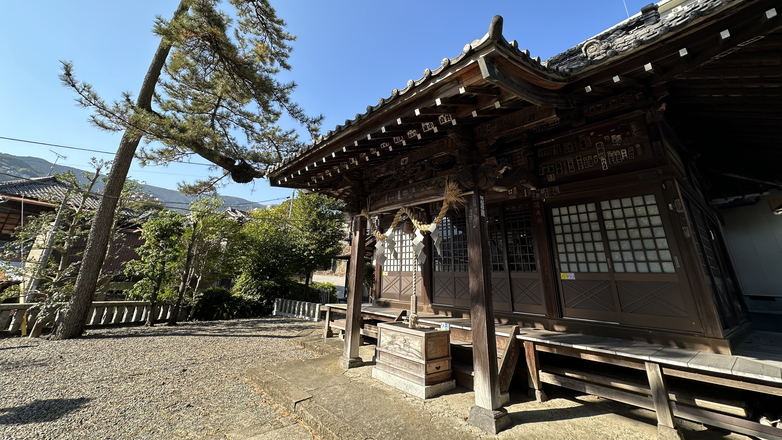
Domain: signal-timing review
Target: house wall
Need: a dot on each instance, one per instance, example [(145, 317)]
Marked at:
[(754, 236)]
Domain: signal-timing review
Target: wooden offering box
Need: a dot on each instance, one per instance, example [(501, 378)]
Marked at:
[(417, 361)]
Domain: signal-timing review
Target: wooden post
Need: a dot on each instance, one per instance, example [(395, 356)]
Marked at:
[(533, 371), (350, 357), (327, 333), (487, 413), (666, 426)]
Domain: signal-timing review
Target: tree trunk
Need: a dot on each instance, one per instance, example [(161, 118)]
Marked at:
[(153, 303), (79, 305), (195, 292), (183, 283)]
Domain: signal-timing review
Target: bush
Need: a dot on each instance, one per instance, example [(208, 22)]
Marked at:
[(327, 287), (219, 303), (264, 292)]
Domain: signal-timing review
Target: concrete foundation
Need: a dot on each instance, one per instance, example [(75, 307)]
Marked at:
[(420, 391), (491, 421)]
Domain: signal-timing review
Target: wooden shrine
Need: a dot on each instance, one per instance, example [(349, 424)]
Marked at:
[(586, 180)]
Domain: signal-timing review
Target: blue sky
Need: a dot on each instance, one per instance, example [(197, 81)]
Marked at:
[(347, 55)]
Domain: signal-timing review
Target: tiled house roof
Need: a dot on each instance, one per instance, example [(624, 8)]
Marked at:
[(50, 189), (47, 189)]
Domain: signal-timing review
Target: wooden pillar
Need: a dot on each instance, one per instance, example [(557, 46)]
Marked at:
[(350, 358), (533, 372), (487, 413), (666, 425)]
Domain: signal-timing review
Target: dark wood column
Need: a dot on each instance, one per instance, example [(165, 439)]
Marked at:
[(487, 413), (350, 358)]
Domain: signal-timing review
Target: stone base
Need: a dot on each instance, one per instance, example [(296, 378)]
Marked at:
[(348, 363), (491, 421), (666, 433), (420, 391)]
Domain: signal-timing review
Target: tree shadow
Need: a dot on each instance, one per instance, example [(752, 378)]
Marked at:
[(251, 328), (40, 411)]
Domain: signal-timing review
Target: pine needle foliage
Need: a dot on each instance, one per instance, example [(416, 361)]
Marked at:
[(217, 97)]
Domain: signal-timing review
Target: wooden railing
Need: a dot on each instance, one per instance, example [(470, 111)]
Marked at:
[(102, 313)]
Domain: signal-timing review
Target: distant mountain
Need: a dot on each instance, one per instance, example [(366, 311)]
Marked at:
[(27, 167)]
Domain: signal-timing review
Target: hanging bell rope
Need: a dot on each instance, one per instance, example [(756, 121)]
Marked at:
[(452, 197)]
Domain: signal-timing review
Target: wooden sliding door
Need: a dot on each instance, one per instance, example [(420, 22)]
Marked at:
[(396, 281), (515, 278), (619, 262)]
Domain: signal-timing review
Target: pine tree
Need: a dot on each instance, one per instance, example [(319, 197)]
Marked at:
[(210, 91)]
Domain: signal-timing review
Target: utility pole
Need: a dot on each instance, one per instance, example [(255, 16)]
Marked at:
[(47, 251), (290, 208)]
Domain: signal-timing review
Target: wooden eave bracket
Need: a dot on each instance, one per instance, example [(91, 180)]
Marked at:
[(528, 92)]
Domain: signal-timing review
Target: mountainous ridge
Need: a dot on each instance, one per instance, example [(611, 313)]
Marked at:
[(13, 167)]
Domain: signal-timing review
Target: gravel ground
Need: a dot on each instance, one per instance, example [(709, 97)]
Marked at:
[(137, 382)]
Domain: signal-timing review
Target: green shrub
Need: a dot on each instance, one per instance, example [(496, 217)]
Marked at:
[(328, 287), (219, 303), (264, 292)]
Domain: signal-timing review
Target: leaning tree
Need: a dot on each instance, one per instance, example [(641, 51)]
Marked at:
[(211, 90)]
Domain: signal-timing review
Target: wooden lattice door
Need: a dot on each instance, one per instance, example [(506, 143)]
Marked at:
[(396, 282), (449, 276), (619, 262)]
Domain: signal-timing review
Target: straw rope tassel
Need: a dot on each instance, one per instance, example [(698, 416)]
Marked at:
[(451, 198)]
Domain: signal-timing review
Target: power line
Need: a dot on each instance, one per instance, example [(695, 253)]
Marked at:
[(100, 195), (27, 141)]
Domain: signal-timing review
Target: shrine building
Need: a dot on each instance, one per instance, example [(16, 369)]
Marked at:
[(578, 196)]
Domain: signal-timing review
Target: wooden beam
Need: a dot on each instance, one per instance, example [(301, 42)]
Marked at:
[(603, 358), (456, 101), (596, 90), (527, 91), (723, 381), (597, 390), (621, 80), (732, 72), (479, 91), (486, 379), (510, 357), (533, 371), (734, 407), (689, 62), (727, 91), (350, 358)]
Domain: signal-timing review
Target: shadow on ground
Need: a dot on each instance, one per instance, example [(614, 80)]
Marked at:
[(40, 411), (253, 328)]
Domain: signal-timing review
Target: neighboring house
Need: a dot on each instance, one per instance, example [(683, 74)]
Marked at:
[(21, 200)]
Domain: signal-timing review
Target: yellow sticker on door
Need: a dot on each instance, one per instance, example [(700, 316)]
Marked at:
[(567, 276)]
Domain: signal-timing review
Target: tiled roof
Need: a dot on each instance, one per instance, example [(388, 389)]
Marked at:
[(50, 189), (621, 39), (639, 30), (47, 189)]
